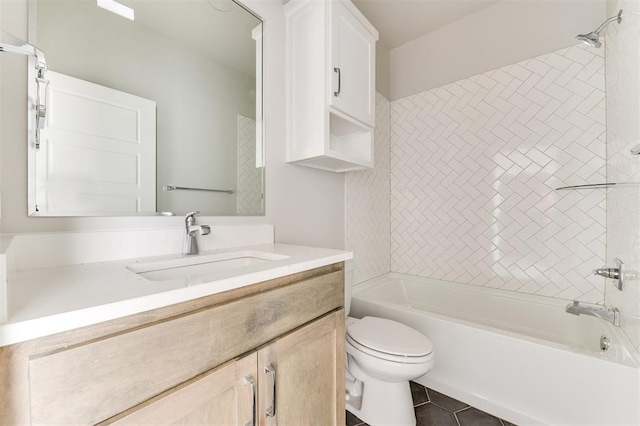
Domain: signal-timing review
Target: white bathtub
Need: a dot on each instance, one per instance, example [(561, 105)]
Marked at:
[(519, 357)]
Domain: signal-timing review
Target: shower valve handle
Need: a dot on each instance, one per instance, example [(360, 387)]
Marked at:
[(613, 273), (616, 273)]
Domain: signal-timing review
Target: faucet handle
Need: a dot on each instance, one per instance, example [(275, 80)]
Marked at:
[(612, 273), (190, 218)]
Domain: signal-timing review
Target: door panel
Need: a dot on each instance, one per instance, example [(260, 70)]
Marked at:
[(353, 53), (309, 365), (220, 397), (97, 149)]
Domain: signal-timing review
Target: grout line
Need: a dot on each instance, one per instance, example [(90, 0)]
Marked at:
[(450, 411), (455, 416), (426, 390)]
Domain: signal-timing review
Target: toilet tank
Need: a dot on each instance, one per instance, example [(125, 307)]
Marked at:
[(348, 284)]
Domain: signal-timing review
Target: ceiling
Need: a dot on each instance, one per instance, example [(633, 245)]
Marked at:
[(221, 35), (400, 21)]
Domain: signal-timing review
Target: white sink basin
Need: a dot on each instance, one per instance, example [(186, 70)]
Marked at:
[(200, 269)]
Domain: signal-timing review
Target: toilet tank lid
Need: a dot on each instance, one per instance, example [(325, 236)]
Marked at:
[(390, 337)]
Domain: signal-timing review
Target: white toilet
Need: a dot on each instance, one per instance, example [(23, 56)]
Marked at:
[(382, 356)]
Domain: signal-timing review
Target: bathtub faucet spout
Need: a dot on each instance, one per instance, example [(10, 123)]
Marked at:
[(612, 315)]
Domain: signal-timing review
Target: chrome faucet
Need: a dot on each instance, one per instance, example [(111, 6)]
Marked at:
[(612, 315), (190, 246)]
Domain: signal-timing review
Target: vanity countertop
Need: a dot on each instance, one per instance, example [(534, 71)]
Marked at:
[(46, 301)]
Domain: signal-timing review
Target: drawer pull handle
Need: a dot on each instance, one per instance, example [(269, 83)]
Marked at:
[(248, 380), (337, 70), (271, 410)]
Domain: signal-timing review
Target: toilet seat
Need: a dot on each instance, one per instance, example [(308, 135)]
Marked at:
[(399, 359), (389, 340)]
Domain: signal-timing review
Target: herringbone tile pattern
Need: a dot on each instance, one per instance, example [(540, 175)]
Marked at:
[(249, 191), (473, 169), (367, 231)]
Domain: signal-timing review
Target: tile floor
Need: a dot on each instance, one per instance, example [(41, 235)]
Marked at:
[(435, 409)]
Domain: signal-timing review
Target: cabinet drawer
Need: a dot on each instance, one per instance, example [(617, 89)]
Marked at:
[(93, 381)]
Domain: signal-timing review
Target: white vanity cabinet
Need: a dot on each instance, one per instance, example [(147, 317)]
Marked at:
[(187, 363), (330, 75)]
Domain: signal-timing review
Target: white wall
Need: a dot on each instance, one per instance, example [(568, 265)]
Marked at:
[(305, 205), (502, 34), (382, 69)]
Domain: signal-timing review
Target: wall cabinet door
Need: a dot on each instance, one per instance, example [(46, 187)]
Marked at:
[(330, 96), (301, 375), (353, 60), (227, 395)]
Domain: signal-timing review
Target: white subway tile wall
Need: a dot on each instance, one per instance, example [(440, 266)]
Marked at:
[(249, 191), (474, 167), (367, 231), (623, 133)]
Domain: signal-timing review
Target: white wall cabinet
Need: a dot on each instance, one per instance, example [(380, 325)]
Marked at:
[(330, 74)]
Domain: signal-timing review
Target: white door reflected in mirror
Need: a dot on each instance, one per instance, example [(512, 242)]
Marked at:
[(97, 150), (198, 66)]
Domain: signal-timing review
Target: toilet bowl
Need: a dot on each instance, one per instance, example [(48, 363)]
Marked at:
[(382, 356)]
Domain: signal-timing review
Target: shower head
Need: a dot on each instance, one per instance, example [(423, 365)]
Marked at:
[(593, 38)]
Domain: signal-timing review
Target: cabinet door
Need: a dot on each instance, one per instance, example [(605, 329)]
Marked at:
[(301, 375), (353, 67), (224, 396)]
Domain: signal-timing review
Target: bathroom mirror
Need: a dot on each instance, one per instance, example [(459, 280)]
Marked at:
[(153, 106)]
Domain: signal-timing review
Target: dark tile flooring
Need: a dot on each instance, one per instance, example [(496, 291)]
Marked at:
[(435, 409)]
